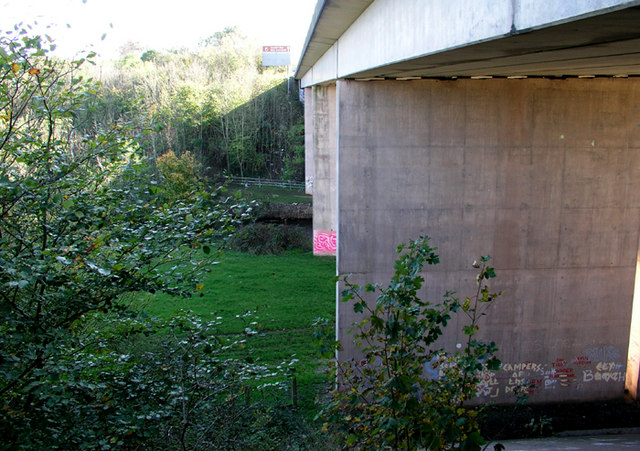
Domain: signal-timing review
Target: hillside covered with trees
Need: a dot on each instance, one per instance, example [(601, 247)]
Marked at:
[(216, 102)]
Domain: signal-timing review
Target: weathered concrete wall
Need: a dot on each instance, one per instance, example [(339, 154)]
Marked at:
[(543, 175), (323, 130)]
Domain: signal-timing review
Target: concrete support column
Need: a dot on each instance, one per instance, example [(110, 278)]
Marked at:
[(543, 175), (323, 142)]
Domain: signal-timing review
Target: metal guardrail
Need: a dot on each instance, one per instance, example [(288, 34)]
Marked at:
[(253, 181)]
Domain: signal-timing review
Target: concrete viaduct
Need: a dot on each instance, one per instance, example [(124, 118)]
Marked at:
[(501, 127)]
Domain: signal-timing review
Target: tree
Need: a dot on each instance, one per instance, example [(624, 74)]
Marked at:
[(130, 48), (217, 37), (405, 392), (81, 225), (150, 55), (216, 102)]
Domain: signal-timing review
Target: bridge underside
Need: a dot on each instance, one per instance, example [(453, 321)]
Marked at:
[(608, 44), (538, 167)]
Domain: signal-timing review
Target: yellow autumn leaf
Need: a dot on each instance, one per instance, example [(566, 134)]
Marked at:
[(15, 67), (34, 71), (199, 287)]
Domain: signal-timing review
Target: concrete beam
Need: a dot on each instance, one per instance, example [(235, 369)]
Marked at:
[(330, 19), (392, 38)]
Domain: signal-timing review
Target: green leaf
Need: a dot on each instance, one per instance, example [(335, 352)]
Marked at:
[(347, 295), (377, 322), (104, 271), (470, 329), (19, 283), (474, 441), (489, 273), (493, 364)]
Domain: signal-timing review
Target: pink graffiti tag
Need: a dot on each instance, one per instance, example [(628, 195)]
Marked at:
[(324, 242)]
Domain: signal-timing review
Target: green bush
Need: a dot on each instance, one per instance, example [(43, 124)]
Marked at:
[(179, 175), (140, 383), (387, 399), (79, 230), (264, 238)]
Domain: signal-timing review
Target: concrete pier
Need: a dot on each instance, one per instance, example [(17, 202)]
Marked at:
[(542, 175), (519, 139)]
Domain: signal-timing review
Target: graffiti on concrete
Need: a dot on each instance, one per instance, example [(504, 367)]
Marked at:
[(324, 242), (596, 365), (603, 354)]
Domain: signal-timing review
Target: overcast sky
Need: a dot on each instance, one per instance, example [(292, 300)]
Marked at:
[(159, 24)]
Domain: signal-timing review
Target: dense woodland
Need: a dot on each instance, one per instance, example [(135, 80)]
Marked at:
[(217, 102)]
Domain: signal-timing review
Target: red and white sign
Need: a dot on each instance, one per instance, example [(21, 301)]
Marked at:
[(275, 49)]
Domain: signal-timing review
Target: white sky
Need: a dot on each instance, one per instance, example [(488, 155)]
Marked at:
[(159, 24)]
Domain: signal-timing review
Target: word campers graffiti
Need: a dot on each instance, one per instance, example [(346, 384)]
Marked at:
[(597, 365)]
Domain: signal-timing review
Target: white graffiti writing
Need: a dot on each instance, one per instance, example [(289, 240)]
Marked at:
[(529, 366), (488, 385), (595, 365), (599, 376)]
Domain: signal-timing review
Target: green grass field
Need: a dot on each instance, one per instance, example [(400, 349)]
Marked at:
[(277, 296), (271, 194)]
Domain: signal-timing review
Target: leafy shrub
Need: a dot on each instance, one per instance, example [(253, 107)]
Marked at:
[(179, 174), (140, 382), (265, 238), (78, 231), (386, 398), (81, 228)]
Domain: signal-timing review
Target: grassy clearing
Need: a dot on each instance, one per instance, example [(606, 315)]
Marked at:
[(277, 296), (271, 194)]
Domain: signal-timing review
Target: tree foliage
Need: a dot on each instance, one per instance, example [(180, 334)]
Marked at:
[(82, 224), (405, 392), (217, 102)]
